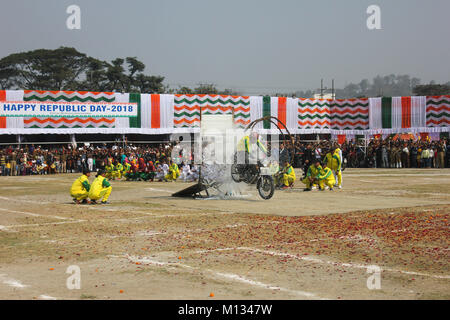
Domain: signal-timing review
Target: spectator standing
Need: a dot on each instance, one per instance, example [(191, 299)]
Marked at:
[(384, 156), (405, 157), (13, 163), (431, 157)]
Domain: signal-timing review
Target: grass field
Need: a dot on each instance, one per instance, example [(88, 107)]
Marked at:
[(298, 245)]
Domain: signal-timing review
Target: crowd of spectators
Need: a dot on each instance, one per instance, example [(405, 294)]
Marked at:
[(51, 159), (377, 153), (380, 153)]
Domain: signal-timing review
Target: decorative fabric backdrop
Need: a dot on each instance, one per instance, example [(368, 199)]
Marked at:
[(398, 114), (189, 107), (68, 96), (314, 114), (168, 113), (11, 122), (350, 114), (438, 111)]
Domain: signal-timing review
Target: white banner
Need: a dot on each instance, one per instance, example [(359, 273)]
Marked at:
[(67, 109)]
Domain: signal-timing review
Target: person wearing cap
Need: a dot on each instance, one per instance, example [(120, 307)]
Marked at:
[(100, 188), (80, 188)]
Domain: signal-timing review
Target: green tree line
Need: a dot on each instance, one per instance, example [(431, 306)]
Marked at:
[(68, 69)]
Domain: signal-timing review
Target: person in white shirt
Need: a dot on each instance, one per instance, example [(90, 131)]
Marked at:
[(165, 168), (185, 171), (90, 162), (193, 174), (161, 170)]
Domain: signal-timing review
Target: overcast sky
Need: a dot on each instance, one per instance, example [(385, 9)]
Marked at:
[(255, 46)]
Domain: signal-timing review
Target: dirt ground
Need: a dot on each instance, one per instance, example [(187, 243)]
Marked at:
[(297, 245)]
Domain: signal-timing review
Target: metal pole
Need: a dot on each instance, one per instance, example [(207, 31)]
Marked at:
[(321, 88), (332, 89)]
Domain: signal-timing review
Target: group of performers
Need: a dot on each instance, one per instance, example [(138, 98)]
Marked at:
[(322, 175), (326, 174), (139, 170), (84, 192)]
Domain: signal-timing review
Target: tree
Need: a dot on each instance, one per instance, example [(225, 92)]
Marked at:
[(432, 89), (43, 69), (206, 88), (389, 86), (67, 69), (184, 90)]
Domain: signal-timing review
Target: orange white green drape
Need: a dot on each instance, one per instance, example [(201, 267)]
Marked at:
[(314, 114), (157, 111), (68, 96), (438, 111), (168, 113), (189, 107), (397, 112), (349, 114)]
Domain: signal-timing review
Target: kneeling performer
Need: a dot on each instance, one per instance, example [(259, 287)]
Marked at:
[(100, 188)]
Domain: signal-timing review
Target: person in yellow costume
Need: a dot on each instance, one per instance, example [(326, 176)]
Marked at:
[(109, 170), (288, 175), (100, 189), (311, 175), (326, 178), (336, 166), (329, 158), (174, 172), (244, 147), (118, 170), (80, 188), (245, 154), (126, 170)]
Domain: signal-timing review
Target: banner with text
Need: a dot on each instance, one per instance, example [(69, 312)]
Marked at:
[(64, 109)]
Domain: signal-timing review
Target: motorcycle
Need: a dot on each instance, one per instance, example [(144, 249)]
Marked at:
[(254, 174)]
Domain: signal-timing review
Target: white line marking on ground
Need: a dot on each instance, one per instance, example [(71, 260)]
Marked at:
[(399, 175), (6, 229), (228, 276), (19, 285), (35, 214), (155, 214), (161, 190), (46, 297), (148, 233), (44, 224), (23, 200), (12, 282), (265, 286), (335, 263)]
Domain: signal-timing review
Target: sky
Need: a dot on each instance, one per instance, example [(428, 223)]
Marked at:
[(252, 46)]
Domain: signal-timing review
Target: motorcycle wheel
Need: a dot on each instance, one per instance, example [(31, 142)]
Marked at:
[(235, 173), (266, 187)]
